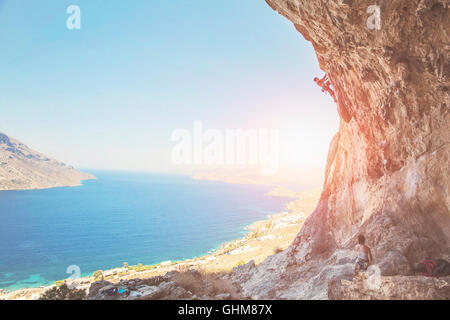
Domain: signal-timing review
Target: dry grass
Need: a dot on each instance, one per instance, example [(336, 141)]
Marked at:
[(202, 283), (277, 250), (155, 281)]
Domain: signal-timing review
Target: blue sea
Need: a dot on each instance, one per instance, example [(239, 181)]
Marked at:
[(121, 217)]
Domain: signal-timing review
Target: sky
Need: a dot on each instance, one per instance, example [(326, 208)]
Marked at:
[(110, 95)]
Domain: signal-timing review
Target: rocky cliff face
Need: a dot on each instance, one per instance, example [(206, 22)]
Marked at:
[(389, 165), (23, 168)]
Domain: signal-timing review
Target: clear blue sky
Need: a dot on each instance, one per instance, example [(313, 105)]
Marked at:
[(110, 95)]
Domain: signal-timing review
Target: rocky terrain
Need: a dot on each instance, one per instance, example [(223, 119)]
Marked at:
[(23, 168), (390, 288)]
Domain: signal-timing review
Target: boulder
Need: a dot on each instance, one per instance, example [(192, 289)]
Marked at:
[(166, 291), (394, 263), (147, 292), (390, 288), (95, 288), (242, 273)]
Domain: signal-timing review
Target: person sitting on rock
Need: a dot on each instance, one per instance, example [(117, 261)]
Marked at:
[(325, 84), (364, 258)]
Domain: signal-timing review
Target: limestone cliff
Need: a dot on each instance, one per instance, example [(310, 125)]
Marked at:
[(389, 165), (23, 168)]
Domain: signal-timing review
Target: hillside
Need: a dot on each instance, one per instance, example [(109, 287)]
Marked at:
[(22, 168)]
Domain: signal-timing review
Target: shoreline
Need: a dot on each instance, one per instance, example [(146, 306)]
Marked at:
[(263, 238), (68, 185)]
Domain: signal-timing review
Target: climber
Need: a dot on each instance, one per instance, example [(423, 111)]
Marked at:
[(364, 257), (325, 83)]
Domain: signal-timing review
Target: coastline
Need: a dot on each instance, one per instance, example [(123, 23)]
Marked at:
[(76, 183), (263, 239)]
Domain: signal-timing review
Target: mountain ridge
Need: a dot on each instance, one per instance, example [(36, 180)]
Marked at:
[(22, 168)]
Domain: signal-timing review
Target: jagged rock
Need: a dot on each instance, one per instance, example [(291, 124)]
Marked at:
[(262, 281), (169, 275), (135, 294), (195, 273), (174, 285), (339, 272), (148, 292), (315, 287), (243, 272), (394, 263), (391, 288), (154, 281), (96, 287), (171, 291)]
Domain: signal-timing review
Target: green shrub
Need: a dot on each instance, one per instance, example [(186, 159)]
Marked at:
[(60, 283), (140, 267), (240, 263), (98, 275), (63, 293), (143, 268)]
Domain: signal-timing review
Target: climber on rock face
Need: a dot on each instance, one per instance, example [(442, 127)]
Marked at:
[(321, 81), (325, 83)]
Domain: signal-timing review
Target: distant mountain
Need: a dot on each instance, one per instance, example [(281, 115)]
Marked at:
[(23, 168)]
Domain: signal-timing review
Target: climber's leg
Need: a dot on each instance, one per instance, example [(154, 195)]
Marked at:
[(333, 95)]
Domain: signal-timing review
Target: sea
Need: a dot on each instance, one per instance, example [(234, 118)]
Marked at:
[(48, 235)]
